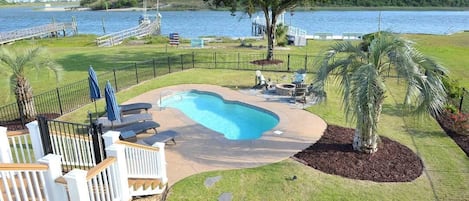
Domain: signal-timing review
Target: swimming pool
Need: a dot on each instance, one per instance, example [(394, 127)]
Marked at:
[(235, 120)]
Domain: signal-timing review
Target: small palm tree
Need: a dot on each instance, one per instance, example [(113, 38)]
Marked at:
[(360, 74), (15, 62)]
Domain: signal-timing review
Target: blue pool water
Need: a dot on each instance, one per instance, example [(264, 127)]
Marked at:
[(237, 121)]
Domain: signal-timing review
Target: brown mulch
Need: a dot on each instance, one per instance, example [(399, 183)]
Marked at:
[(333, 154), (461, 140), (17, 125), (264, 62)]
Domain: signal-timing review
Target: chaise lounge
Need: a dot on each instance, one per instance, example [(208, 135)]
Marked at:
[(134, 108)]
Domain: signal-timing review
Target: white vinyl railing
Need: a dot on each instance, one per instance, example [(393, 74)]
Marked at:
[(21, 150), (100, 183), (75, 151), (142, 161), (23, 181)]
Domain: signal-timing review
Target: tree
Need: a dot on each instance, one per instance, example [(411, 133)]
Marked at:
[(272, 9), (15, 62), (360, 74)]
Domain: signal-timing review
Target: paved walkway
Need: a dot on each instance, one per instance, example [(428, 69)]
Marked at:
[(199, 149)]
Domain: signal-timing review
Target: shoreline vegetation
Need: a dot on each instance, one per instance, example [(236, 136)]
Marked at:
[(74, 6)]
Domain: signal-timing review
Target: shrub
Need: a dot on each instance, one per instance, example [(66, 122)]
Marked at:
[(460, 122)]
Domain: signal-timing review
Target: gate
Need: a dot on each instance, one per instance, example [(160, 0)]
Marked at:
[(81, 146)]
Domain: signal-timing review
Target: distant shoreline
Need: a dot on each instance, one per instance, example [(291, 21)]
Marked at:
[(74, 6)]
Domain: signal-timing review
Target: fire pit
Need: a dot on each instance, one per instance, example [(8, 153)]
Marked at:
[(284, 89)]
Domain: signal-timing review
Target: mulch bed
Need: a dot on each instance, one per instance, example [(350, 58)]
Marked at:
[(333, 154), (393, 162), (264, 62), (17, 125), (461, 140)]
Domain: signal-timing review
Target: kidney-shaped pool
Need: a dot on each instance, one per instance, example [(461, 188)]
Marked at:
[(235, 120)]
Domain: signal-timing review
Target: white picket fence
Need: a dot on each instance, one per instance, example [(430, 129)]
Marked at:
[(107, 181)]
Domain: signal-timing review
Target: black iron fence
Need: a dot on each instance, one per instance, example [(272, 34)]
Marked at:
[(464, 101), (65, 99), (81, 146)]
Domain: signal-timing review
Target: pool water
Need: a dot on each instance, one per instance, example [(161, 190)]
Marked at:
[(236, 120)]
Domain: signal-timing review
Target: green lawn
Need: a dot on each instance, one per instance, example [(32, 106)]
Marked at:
[(446, 176)]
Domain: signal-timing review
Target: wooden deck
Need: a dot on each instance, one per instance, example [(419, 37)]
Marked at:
[(48, 30)]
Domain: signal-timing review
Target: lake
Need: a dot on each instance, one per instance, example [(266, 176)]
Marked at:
[(192, 24)]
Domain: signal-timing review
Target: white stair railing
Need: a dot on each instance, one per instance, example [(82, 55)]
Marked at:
[(144, 162), (100, 183), (32, 181), (22, 181)]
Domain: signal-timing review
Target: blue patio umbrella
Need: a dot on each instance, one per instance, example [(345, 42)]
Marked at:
[(112, 108), (95, 93)]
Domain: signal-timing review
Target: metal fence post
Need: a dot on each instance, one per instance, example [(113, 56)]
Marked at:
[(306, 62), (45, 135), (169, 64), (59, 100), (288, 63), (182, 62), (136, 72), (461, 100), (97, 145), (193, 60), (238, 60), (154, 68), (115, 78), (215, 58)]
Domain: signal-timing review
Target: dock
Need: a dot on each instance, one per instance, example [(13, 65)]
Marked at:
[(298, 36), (144, 29), (48, 30)]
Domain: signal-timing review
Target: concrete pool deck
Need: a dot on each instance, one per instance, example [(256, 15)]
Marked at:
[(199, 149)]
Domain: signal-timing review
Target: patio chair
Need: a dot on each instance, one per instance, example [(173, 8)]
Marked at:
[(163, 137), (125, 120), (260, 81), (136, 127), (300, 93), (134, 108)]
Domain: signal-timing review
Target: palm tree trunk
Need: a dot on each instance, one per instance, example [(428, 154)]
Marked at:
[(366, 138), (24, 96), (271, 26), (364, 144)]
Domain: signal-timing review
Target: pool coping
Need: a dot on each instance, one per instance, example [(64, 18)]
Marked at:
[(200, 149)]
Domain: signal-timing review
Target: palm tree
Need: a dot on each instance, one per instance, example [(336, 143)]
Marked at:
[(15, 62), (272, 10), (360, 73)]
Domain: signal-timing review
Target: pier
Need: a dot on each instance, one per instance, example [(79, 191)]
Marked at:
[(145, 28), (48, 30)]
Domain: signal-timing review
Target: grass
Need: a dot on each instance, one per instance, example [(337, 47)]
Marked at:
[(448, 175), (447, 168)]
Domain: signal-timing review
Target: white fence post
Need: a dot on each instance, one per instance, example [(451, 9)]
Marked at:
[(5, 151), (162, 162), (121, 177), (36, 140), (77, 186), (54, 190), (110, 137)]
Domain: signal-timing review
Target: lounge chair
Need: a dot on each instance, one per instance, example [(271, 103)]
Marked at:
[(125, 120), (136, 127), (134, 108), (163, 137)]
